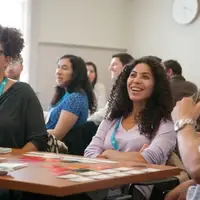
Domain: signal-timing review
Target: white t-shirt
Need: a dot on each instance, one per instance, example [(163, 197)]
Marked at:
[(98, 116), (100, 93)]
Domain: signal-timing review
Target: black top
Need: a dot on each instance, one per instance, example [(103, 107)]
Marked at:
[(21, 118)]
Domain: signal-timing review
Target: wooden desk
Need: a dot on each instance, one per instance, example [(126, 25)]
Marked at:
[(38, 179)]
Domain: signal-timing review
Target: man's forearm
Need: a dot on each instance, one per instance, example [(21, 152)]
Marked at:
[(189, 143)]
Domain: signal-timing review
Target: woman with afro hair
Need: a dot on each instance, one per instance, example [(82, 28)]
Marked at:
[(22, 123), (138, 116)]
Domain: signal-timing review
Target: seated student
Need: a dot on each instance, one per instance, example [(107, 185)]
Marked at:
[(73, 97), (22, 124), (187, 112), (79, 138), (98, 88), (139, 113), (116, 66), (179, 86)]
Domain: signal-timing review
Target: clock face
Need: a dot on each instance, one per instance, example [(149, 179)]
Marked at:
[(185, 11)]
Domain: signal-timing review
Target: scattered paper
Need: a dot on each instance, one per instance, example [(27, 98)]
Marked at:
[(108, 171), (91, 173), (102, 176), (81, 179), (12, 166), (120, 174), (43, 155), (121, 169), (69, 176), (5, 150)]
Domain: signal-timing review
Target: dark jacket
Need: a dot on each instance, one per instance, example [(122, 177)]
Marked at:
[(181, 88)]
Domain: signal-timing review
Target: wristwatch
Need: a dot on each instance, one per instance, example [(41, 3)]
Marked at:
[(180, 124)]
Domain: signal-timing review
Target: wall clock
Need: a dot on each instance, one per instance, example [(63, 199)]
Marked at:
[(185, 11)]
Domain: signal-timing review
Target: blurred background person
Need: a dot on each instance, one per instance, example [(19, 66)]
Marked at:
[(14, 69), (179, 86), (118, 62), (98, 88)]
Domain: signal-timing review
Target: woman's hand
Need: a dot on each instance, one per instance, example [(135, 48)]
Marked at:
[(186, 108), (110, 153), (101, 156), (117, 155)]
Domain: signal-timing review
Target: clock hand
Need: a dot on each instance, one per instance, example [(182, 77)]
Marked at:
[(186, 8)]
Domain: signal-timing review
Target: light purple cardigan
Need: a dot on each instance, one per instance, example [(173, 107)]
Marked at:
[(132, 141)]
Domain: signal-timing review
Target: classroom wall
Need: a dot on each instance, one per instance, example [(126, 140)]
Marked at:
[(155, 32), (86, 22), (83, 24)]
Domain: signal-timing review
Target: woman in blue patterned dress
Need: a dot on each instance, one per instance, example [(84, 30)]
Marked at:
[(72, 99)]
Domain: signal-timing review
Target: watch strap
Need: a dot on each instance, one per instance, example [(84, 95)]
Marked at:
[(180, 124)]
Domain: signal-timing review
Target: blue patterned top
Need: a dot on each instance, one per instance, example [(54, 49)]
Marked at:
[(75, 103)]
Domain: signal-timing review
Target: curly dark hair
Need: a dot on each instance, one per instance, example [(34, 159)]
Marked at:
[(12, 42), (79, 83), (158, 107)]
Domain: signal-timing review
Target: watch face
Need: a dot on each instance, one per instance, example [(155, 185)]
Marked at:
[(182, 123), (177, 126)]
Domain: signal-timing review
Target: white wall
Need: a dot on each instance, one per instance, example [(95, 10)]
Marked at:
[(81, 23), (85, 22), (154, 31)]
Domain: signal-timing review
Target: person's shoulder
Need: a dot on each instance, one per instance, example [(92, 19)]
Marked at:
[(99, 86), (108, 123), (191, 84), (24, 87), (77, 96)]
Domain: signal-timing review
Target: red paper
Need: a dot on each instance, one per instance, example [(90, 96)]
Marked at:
[(32, 158)]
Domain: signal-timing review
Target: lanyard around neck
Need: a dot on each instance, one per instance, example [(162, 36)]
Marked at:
[(112, 139), (2, 85)]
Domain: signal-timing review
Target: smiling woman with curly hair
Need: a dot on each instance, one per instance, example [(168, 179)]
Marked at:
[(157, 107), (138, 124)]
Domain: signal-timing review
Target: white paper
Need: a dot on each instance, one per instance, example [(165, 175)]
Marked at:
[(108, 171), (69, 176), (85, 160), (102, 176), (91, 173), (5, 150), (81, 179), (12, 166), (42, 155), (120, 174), (123, 169), (151, 170), (135, 172)]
